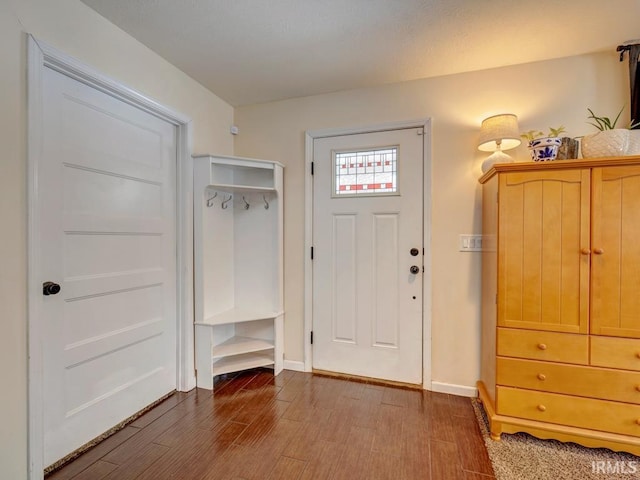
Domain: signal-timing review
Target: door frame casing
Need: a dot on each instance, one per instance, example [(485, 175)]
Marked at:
[(310, 136), (40, 55)]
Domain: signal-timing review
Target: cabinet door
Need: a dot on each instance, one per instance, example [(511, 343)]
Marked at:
[(543, 276), (615, 308)]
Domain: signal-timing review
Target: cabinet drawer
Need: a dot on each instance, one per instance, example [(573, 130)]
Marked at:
[(580, 412), (603, 383), (548, 346), (615, 352)]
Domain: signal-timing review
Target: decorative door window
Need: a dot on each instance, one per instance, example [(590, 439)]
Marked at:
[(365, 172)]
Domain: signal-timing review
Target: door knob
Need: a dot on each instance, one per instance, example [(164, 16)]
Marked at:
[(414, 252), (50, 288), (414, 269)]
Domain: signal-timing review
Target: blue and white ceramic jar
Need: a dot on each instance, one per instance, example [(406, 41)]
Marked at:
[(544, 149)]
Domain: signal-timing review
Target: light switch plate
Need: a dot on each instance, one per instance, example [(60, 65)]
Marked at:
[(470, 243)]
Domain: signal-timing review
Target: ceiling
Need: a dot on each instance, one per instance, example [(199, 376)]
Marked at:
[(255, 51)]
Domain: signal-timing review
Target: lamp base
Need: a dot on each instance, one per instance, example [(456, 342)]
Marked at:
[(496, 157)]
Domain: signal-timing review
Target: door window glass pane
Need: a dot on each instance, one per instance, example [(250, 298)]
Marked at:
[(366, 172)]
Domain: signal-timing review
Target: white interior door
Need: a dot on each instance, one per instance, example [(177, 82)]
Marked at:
[(368, 254), (106, 197)]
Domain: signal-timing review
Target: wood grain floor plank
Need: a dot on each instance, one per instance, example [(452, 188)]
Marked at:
[(388, 433), (373, 394), (199, 416), (303, 410), (444, 461), (441, 425), (287, 469), (228, 465), (398, 396), (192, 458), (259, 400), (138, 463), (198, 462), (349, 465), (355, 454), (415, 440), (461, 406), (337, 427), (413, 468), (477, 476), (144, 437), (161, 409), (473, 453), (258, 431), (322, 460), (302, 444), (299, 426), (96, 453), (381, 466), (175, 458), (262, 379), (97, 471)]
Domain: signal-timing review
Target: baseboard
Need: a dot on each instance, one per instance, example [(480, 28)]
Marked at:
[(294, 365), (461, 390)]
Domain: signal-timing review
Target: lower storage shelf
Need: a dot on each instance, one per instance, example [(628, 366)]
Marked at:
[(238, 345), (233, 347), (244, 361)]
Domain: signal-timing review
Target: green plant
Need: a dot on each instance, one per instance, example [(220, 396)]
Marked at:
[(531, 135), (605, 123)]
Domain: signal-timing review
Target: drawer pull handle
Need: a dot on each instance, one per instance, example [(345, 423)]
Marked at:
[(638, 388), (638, 355), (542, 408), (542, 376), (543, 346), (638, 421)]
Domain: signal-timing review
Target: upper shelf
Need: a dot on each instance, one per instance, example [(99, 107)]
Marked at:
[(237, 315), (225, 187), (234, 174)]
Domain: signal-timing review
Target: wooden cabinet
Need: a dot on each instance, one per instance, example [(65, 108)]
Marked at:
[(238, 274), (561, 309), (543, 224), (615, 269)]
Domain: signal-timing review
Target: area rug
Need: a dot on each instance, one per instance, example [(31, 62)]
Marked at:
[(520, 456)]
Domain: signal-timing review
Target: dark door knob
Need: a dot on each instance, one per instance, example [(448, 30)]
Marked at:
[(414, 252), (50, 288), (414, 269)]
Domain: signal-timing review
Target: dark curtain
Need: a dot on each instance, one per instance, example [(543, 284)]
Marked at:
[(634, 78)]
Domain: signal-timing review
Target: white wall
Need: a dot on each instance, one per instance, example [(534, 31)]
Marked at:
[(75, 29), (542, 94)]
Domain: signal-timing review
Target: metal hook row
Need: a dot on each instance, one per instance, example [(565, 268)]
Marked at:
[(225, 202)]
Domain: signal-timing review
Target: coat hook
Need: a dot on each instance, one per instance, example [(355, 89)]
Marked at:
[(246, 204), (210, 200), (266, 204), (226, 201)]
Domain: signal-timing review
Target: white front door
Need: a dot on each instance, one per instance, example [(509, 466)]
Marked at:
[(106, 197), (368, 254)]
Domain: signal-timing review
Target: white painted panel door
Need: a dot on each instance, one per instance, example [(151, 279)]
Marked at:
[(107, 237), (367, 304)]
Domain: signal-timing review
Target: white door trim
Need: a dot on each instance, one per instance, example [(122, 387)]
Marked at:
[(41, 56), (310, 136)]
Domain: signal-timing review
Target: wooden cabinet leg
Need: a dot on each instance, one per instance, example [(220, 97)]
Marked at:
[(495, 430)]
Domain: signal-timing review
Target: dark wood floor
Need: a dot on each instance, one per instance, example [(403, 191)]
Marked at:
[(294, 426)]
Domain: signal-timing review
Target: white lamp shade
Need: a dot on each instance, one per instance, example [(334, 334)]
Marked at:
[(499, 132)]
